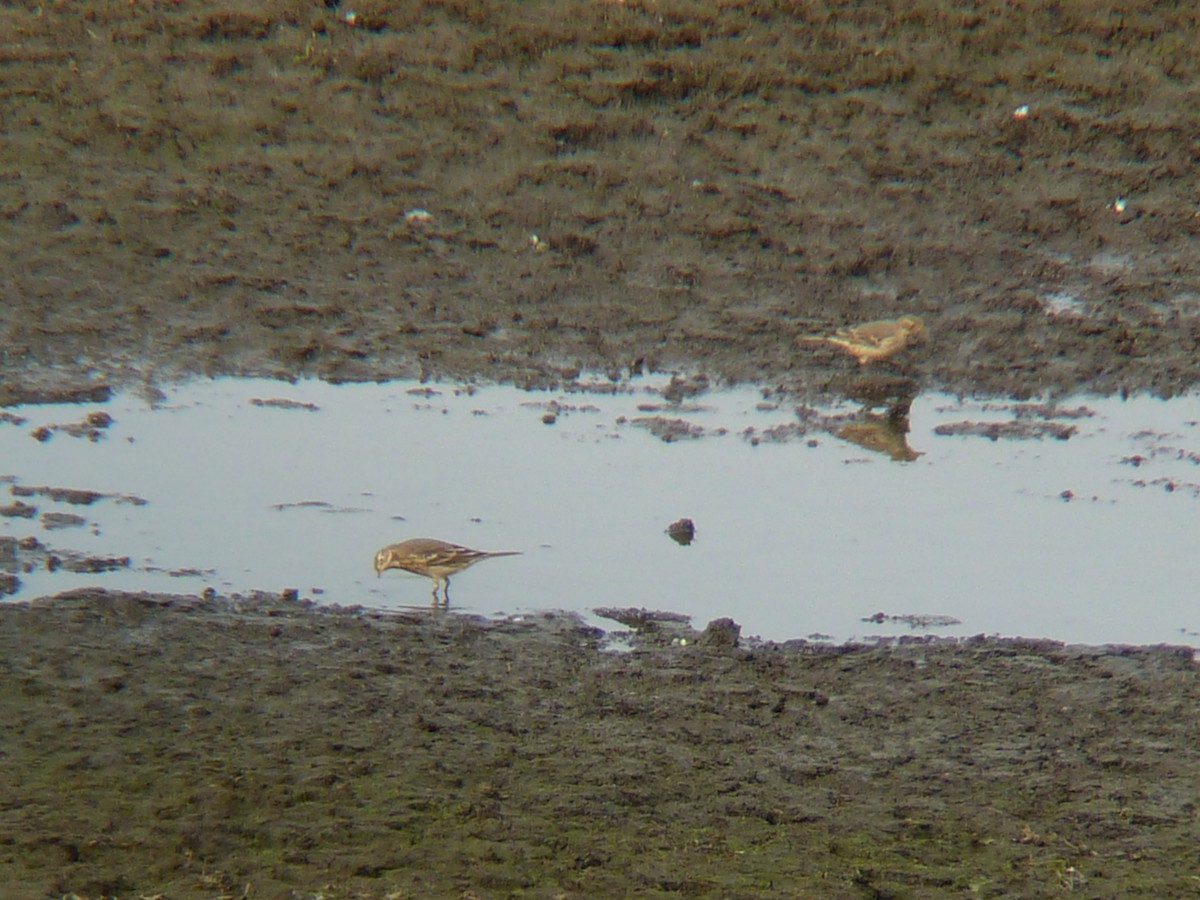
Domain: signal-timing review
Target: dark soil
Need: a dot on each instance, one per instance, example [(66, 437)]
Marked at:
[(266, 188), (188, 748), (519, 192)]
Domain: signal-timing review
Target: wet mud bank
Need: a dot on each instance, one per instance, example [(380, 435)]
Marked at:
[(515, 192), (257, 747)]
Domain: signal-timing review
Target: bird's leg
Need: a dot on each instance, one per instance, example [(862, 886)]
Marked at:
[(446, 591)]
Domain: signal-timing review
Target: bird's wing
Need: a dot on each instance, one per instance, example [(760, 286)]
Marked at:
[(448, 553), (871, 333)]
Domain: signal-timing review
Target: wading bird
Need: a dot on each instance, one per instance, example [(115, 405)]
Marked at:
[(874, 341), (434, 559)]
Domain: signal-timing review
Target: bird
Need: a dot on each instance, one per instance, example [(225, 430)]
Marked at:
[(433, 558), (873, 341)]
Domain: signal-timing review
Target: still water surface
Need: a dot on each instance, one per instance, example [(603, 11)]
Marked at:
[(1066, 539)]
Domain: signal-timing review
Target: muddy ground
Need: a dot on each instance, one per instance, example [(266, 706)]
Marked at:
[(505, 190), (518, 192), (190, 748)]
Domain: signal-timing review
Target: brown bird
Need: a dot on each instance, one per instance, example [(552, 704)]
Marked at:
[(873, 341), (433, 558)]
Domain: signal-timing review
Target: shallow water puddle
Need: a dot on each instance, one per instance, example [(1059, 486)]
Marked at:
[(1084, 533)]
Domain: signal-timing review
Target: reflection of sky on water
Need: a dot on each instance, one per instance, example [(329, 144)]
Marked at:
[(792, 539)]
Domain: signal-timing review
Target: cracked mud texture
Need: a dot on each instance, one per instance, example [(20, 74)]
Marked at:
[(192, 188)]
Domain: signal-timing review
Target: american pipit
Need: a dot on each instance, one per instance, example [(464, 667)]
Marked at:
[(874, 341), (433, 558)]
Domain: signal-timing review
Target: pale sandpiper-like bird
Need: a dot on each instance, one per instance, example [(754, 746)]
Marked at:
[(873, 341), (434, 559)]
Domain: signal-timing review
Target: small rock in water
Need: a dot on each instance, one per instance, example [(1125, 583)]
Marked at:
[(682, 531)]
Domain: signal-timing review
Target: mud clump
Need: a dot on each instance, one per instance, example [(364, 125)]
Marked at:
[(682, 531), (1018, 431)]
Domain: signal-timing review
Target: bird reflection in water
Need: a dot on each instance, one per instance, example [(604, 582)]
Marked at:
[(885, 432)]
